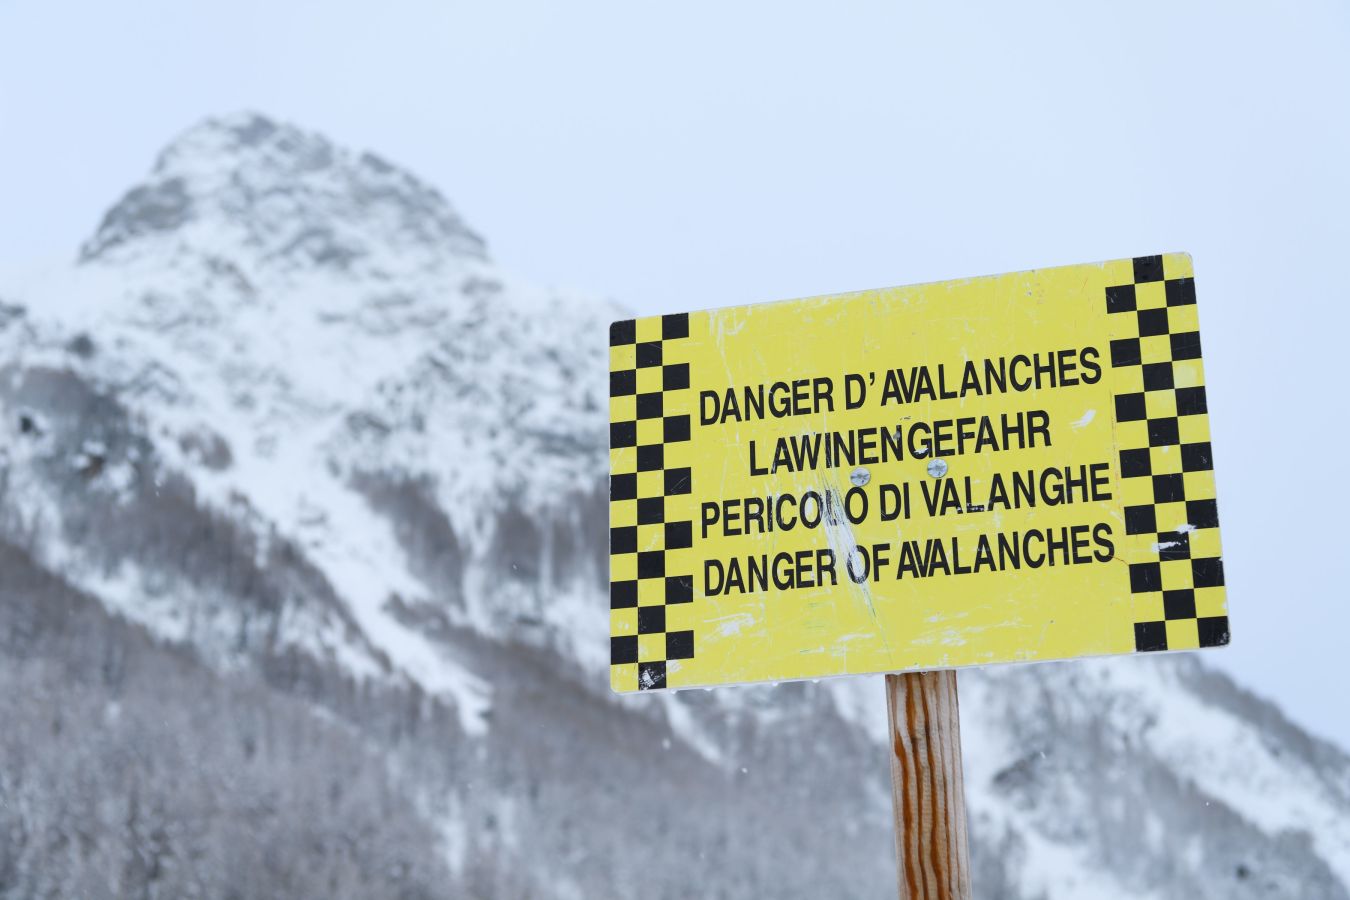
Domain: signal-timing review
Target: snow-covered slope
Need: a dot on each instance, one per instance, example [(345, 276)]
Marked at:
[(293, 323), (285, 412)]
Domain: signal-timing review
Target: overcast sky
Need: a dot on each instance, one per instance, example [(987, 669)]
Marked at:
[(704, 154)]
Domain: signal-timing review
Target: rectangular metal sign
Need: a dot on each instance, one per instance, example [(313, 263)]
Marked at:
[(987, 470)]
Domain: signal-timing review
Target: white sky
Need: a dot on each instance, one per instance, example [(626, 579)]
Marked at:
[(704, 154)]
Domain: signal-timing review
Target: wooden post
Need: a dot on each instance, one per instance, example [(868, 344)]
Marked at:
[(927, 787)]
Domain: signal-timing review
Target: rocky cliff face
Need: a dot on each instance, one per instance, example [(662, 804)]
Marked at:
[(288, 462)]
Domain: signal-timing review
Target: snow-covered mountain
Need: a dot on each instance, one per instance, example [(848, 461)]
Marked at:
[(303, 530)]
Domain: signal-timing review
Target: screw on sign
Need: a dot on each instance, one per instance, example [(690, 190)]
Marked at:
[(912, 480)]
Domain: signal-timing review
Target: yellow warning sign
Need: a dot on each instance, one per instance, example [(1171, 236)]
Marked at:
[(988, 470)]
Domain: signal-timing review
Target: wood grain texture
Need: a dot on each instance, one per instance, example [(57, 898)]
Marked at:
[(927, 786)]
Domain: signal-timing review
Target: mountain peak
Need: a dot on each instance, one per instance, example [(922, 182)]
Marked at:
[(287, 197)]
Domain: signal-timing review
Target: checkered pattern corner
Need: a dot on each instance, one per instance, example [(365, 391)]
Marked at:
[(651, 505), (1167, 467)]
